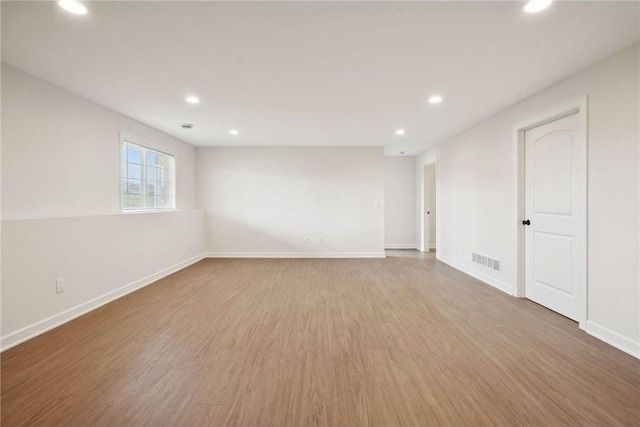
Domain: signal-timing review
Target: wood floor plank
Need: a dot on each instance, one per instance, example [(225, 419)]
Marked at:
[(404, 340)]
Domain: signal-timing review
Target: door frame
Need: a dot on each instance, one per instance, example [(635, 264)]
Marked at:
[(579, 106), (424, 246)]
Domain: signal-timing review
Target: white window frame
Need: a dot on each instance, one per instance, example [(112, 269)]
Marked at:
[(130, 140)]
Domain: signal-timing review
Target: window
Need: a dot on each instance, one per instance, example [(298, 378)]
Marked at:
[(148, 178)]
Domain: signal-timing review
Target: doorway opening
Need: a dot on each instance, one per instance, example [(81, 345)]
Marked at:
[(429, 234), (551, 213)]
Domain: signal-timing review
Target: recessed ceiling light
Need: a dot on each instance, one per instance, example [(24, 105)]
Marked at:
[(73, 6), (234, 132), (400, 132), (435, 99), (534, 6), (192, 99)]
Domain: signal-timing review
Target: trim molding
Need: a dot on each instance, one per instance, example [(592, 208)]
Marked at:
[(294, 255), (498, 284), (11, 340), (432, 246), (402, 246), (44, 325), (600, 332), (577, 106), (614, 339)]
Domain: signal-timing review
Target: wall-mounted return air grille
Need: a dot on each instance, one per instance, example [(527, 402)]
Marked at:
[(485, 261)]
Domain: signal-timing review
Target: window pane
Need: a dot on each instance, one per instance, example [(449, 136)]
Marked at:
[(134, 171), (133, 201), (151, 187), (152, 173), (165, 189), (151, 201), (152, 158), (147, 178), (164, 175), (133, 186), (134, 154), (163, 161)]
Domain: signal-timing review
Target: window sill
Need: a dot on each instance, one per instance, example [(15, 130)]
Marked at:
[(147, 211)]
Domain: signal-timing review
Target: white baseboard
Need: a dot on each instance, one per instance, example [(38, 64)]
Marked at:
[(42, 326), (402, 246), (613, 338), (294, 255), (498, 284), (406, 246), (604, 334)]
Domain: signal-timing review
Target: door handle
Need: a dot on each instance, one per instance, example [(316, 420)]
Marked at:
[(526, 222)]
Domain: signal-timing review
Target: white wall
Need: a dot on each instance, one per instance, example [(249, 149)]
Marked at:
[(476, 187), (400, 202), (61, 208), (265, 201), (62, 152), (100, 258)]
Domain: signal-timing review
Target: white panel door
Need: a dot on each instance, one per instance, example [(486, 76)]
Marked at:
[(554, 155), (426, 226)]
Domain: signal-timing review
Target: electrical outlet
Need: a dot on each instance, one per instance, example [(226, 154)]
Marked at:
[(376, 204), (306, 240), (322, 240), (59, 285)]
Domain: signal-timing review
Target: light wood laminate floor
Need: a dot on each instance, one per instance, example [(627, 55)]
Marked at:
[(404, 340)]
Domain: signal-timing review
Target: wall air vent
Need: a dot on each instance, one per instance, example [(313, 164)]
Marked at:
[(485, 261)]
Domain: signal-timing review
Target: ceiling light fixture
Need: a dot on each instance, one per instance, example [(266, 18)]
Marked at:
[(400, 132), (73, 6), (192, 99), (435, 99), (234, 132), (534, 6)]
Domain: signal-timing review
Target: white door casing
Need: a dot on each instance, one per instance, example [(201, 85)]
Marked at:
[(554, 206), (424, 239), (426, 186)]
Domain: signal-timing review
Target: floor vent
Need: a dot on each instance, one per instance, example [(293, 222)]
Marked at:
[(485, 261)]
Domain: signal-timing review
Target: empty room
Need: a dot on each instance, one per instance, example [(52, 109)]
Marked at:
[(321, 213)]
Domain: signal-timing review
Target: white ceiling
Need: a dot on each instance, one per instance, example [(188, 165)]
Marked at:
[(312, 73)]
